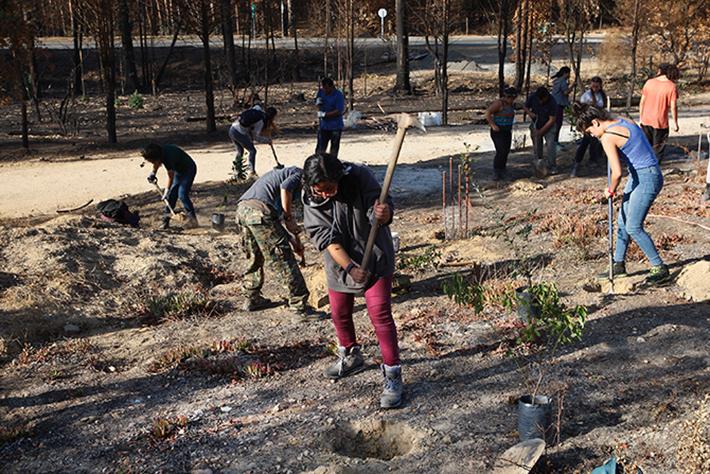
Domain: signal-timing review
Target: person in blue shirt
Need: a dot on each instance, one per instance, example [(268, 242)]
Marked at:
[(331, 107), (623, 140)]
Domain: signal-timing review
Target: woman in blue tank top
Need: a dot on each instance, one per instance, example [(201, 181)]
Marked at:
[(500, 117), (624, 141)]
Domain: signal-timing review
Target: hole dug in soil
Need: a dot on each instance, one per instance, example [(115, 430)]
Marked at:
[(376, 439)]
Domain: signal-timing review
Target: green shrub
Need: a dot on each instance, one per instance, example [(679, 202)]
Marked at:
[(556, 323), (135, 101)]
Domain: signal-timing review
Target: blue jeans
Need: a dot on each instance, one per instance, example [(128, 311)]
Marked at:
[(182, 185), (241, 142), (325, 136), (641, 190)]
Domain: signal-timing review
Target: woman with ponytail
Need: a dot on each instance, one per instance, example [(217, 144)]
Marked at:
[(623, 140), (560, 92)]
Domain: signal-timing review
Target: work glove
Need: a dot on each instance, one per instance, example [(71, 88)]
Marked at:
[(319, 100), (152, 179), (321, 114)]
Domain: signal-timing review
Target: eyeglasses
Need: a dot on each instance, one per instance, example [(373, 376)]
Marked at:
[(325, 189)]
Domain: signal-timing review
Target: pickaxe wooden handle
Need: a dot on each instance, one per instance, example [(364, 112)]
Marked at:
[(403, 123)]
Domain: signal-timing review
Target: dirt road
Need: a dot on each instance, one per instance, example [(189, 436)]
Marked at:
[(40, 187)]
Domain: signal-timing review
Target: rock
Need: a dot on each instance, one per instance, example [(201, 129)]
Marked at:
[(526, 186), (519, 459), (204, 470), (317, 286), (694, 281), (640, 339), (71, 329), (591, 285)]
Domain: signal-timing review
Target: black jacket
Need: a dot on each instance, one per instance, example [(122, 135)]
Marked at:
[(346, 219)]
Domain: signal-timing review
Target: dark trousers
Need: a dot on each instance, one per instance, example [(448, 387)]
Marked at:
[(182, 185), (595, 149), (325, 136), (657, 138), (502, 141)]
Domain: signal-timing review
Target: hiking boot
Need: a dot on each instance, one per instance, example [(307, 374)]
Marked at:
[(165, 223), (191, 222), (349, 362), (659, 274), (392, 392), (256, 302), (307, 315), (706, 194)]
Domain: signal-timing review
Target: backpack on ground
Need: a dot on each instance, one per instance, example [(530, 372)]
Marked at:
[(250, 116), (112, 210)]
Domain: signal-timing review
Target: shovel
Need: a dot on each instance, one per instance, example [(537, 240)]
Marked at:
[(610, 217), (172, 211)]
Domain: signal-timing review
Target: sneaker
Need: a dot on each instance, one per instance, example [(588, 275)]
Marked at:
[(706, 194), (659, 274), (350, 361), (497, 175), (165, 223), (307, 315), (392, 392), (256, 302), (618, 269), (573, 173)]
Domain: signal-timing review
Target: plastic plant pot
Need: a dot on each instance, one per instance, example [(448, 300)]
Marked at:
[(218, 221), (526, 307), (534, 419)]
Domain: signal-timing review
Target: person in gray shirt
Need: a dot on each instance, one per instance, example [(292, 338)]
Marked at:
[(269, 229), (340, 207)]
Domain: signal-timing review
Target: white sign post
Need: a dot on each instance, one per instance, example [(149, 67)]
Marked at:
[(382, 13)]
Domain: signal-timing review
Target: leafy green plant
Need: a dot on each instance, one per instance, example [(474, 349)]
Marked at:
[(420, 262), (464, 293), (135, 101), (239, 169), (556, 324)]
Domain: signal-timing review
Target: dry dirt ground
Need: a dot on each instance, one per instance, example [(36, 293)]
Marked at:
[(124, 350)]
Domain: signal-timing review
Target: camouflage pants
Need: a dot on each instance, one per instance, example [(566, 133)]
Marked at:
[(265, 241)]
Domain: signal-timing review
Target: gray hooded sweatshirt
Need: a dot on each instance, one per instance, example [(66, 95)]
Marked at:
[(346, 219)]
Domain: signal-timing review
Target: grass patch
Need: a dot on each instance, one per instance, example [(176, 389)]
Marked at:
[(232, 358), (31, 355), (177, 306)]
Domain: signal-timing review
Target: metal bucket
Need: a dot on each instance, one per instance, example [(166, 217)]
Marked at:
[(534, 419), (218, 221)]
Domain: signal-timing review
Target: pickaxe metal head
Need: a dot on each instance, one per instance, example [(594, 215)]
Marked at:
[(405, 121)]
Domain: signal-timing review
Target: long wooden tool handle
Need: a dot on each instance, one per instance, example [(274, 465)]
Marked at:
[(160, 191), (383, 194)]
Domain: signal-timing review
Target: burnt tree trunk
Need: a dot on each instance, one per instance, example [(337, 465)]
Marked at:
[(502, 43), (294, 34), (228, 38), (124, 18), (209, 87), (402, 84)]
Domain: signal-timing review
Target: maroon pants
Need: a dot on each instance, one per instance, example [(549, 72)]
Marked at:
[(378, 299)]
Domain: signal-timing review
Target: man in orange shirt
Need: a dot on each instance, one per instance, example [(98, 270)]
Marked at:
[(659, 95)]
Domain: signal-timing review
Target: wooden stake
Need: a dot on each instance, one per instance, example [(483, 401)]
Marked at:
[(459, 226), (443, 202)]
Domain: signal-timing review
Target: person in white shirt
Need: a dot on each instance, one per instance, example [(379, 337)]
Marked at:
[(594, 96), (252, 125)]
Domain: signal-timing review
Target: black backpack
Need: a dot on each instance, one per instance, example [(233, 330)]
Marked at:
[(250, 116), (118, 211)]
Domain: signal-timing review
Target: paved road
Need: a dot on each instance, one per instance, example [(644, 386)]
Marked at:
[(481, 49)]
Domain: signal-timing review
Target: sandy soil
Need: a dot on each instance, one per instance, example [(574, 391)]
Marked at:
[(42, 186)]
